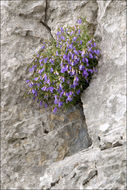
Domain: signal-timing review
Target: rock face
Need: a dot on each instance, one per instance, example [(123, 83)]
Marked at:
[(45, 151)]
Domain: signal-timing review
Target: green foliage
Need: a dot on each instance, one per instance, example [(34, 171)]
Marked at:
[(64, 66)]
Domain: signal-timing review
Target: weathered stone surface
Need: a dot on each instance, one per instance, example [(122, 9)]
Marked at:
[(66, 12), (30, 147), (39, 149), (103, 167), (88, 169), (104, 100), (31, 138)]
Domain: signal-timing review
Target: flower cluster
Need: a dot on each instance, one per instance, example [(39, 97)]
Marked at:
[(63, 67)]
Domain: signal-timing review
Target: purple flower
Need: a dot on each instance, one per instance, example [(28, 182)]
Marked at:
[(86, 60), (57, 53), (72, 86), (61, 64), (79, 31), (34, 98), (78, 91), (64, 69), (40, 103), (83, 53), (63, 79), (75, 38), (61, 93), (44, 88), (55, 110), (89, 41), (81, 67), (98, 52), (62, 30), (75, 83), (90, 55), (72, 32), (51, 61), (90, 49), (83, 60), (69, 99), (36, 78), (58, 90), (30, 85), (60, 86), (27, 81), (66, 50), (73, 72), (33, 91), (73, 63), (76, 52), (41, 70), (48, 82), (76, 79), (40, 60), (67, 94), (90, 70), (51, 70), (45, 76), (38, 84), (71, 46), (41, 79), (45, 60), (56, 101), (79, 21), (43, 47), (70, 67), (51, 89), (85, 73), (60, 104), (31, 69), (62, 38), (58, 33), (72, 56), (64, 56), (70, 93)]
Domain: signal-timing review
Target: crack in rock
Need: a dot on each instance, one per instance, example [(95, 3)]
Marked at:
[(44, 23), (91, 175)]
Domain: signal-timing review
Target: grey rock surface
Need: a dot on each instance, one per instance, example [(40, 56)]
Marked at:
[(88, 169), (104, 100), (45, 151)]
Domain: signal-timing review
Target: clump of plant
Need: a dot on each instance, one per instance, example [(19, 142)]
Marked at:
[(63, 68)]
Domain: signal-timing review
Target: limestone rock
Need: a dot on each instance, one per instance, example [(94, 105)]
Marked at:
[(45, 151), (104, 100), (88, 169)]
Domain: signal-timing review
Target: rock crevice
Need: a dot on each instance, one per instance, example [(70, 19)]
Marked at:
[(75, 149)]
